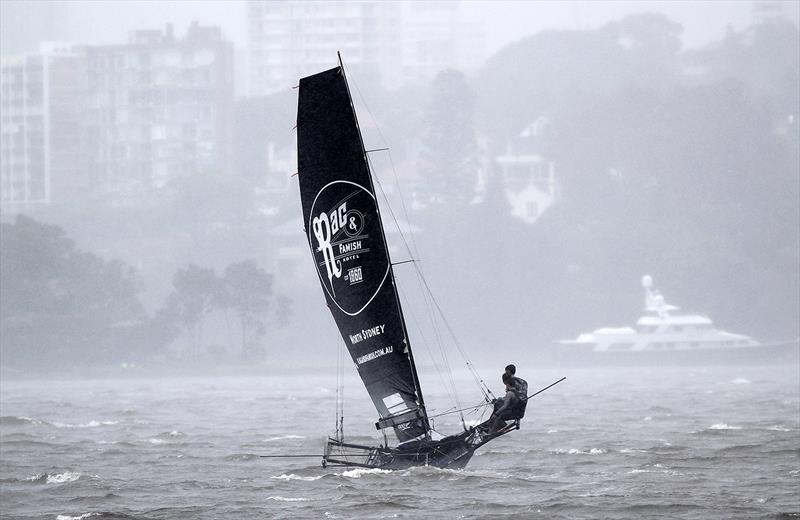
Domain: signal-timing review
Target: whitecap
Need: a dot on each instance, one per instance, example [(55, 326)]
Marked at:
[(288, 499), (60, 478), (779, 428), (292, 476), (283, 437), (90, 424), (575, 451), (153, 440), (723, 426), (81, 517), (658, 468), (552, 431), (740, 381), (359, 472), (648, 418), (14, 420)]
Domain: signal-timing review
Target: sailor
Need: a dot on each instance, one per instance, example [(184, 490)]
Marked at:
[(521, 388), (504, 408)]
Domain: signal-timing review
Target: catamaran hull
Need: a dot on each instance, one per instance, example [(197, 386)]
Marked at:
[(453, 452)]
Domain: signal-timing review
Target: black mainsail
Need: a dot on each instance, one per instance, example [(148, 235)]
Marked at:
[(348, 244)]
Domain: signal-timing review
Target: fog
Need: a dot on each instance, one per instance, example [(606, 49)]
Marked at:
[(543, 157)]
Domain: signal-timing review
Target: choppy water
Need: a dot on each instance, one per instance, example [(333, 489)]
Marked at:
[(644, 443)]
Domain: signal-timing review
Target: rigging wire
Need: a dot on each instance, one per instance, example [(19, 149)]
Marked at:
[(475, 408), (424, 341), (338, 372), (480, 382), (339, 389), (429, 309)]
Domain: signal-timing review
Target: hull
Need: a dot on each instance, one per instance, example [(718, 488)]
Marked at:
[(764, 354), (453, 452)]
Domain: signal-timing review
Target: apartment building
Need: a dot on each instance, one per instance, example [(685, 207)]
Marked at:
[(40, 141), (158, 108), (393, 42)]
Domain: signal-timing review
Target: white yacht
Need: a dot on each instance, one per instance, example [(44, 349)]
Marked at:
[(661, 329)]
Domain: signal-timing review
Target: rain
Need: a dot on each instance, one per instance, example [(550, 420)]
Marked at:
[(606, 192)]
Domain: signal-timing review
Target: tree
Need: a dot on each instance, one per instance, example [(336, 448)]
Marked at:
[(247, 290), (58, 304), (195, 292)]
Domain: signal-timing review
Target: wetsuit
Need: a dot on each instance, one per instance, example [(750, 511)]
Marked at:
[(503, 410), (521, 388)]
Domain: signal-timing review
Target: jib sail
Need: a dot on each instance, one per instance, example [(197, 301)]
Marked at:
[(348, 244)]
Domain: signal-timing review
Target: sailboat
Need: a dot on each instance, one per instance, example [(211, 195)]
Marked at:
[(348, 244)]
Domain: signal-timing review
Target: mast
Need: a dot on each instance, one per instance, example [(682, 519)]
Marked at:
[(347, 242), (388, 255)]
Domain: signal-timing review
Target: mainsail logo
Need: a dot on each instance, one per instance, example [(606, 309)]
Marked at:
[(325, 226), (345, 235)]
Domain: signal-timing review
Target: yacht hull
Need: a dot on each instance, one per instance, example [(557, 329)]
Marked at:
[(763, 354)]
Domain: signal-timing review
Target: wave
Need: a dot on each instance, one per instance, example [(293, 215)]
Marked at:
[(21, 420), (117, 443), (173, 436), (240, 456), (283, 437), (54, 478), (779, 428), (740, 381), (289, 499), (463, 473), (90, 424), (292, 476), (11, 420), (94, 498), (574, 451), (108, 515), (360, 472), (656, 468), (723, 426)]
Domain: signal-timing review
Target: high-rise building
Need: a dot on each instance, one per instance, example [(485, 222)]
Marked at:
[(159, 108), (390, 41), (436, 35), (40, 140), (96, 120)]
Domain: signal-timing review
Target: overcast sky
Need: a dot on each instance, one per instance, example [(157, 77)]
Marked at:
[(94, 21)]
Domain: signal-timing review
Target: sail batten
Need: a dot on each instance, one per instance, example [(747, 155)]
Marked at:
[(348, 245)]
